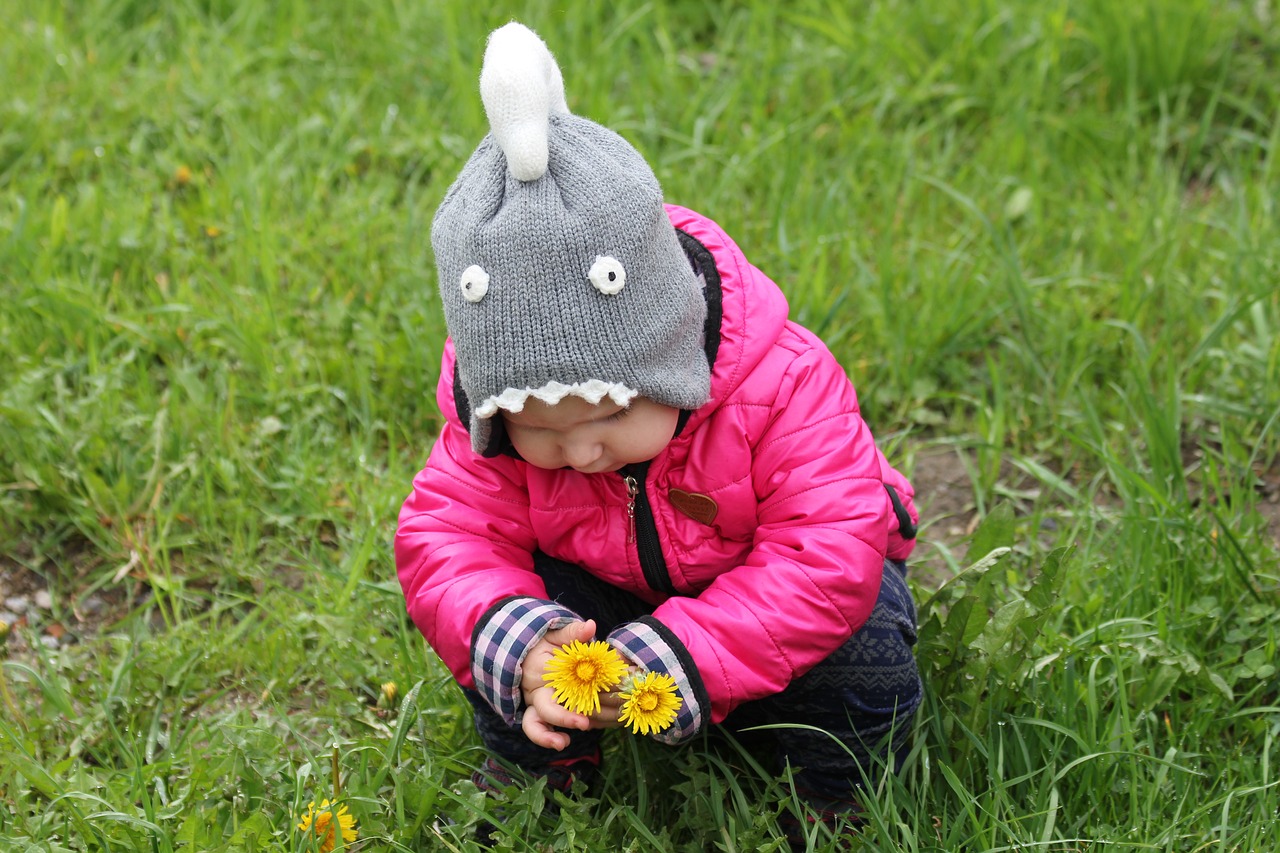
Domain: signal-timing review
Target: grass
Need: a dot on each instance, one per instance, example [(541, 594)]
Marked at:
[(1041, 236)]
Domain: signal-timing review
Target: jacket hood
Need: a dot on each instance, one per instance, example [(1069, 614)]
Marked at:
[(753, 310)]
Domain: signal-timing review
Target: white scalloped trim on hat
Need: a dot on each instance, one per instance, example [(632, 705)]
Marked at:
[(593, 391)]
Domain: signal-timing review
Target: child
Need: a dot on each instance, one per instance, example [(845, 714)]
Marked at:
[(640, 447)]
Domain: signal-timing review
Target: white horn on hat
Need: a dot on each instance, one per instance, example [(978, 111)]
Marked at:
[(521, 87)]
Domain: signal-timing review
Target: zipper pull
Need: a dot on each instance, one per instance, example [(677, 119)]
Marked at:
[(633, 489)]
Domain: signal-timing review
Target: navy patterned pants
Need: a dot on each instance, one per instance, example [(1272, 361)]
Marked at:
[(862, 698)]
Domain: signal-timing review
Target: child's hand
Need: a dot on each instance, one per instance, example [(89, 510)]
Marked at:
[(543, 715), (607, 716)]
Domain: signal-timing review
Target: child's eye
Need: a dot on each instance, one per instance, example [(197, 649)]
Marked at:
[(525, 428), (619, 415)]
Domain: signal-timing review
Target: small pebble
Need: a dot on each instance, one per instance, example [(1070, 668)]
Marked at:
[(44, 600), (8, 618), (17, 603), (49, 642), (92, 606)]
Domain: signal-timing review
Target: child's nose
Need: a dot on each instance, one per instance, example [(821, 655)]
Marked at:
[(581, 452)]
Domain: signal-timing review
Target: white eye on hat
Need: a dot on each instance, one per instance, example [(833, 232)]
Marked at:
[(475, 283), (607, 275)]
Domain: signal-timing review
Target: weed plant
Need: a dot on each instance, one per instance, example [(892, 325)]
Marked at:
[(1043, 238)]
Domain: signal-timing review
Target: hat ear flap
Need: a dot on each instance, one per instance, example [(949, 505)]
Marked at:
[(521, 87)]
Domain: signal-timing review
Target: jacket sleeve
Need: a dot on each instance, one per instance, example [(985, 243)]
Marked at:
[(814, 571), (463, 549)]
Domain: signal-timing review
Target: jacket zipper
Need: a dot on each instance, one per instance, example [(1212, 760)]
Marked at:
[(643, 530)]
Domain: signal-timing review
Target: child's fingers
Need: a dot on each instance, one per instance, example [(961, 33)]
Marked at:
[(551, 712), (583, 632), (607, 716), (540, 733)]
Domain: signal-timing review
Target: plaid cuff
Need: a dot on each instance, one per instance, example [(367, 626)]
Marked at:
[(500, 643), (649, 645)]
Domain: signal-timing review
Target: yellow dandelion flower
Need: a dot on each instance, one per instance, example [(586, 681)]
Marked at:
[(579, 671), (651, 703), (182, 175), (325, 822), (387, 695)]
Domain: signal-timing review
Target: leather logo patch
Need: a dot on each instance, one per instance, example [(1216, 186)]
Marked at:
[(698, 507)]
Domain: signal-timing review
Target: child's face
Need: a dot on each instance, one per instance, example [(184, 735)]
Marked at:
[(590, 438)]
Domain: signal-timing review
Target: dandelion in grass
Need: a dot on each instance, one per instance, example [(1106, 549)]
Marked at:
[(579, 671), (650, 703), (325, 822)]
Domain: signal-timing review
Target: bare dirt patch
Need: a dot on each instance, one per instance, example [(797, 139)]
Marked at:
[(948, 512), (943, 477), (35, 613), (1268, 488)]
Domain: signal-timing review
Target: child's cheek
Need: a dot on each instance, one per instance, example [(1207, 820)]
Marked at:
[(523, 441), (531, 447)]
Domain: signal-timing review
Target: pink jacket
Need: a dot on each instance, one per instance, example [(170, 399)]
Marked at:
[(770, 504)]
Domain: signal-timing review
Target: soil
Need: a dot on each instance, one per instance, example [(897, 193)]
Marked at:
[(1268, 488), (33, 612), (948, 512)]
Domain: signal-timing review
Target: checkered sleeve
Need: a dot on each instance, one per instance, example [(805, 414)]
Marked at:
[(500, 642), (648, 644)]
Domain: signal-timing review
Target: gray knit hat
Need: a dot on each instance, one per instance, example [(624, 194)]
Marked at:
[(559, 269)]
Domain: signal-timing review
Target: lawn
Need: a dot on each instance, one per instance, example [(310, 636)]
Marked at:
[(1043, 238)]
